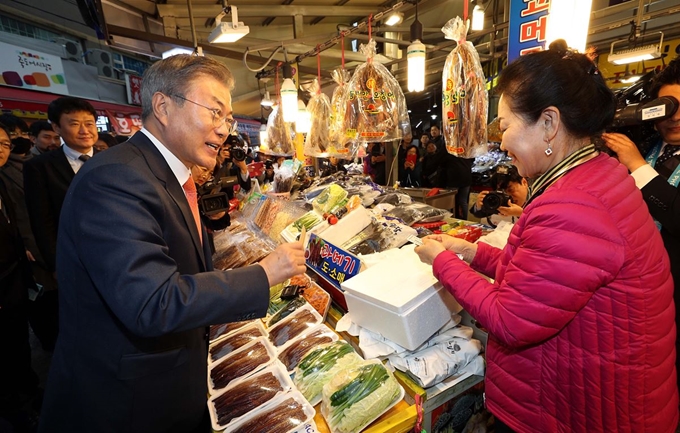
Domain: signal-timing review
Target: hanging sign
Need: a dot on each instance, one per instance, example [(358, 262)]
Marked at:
[(527, 27), (133, 85), (125, 123), (332, 263), (29, 69)]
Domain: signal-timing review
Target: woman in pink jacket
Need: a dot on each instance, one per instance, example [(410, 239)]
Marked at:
[(581, 313)]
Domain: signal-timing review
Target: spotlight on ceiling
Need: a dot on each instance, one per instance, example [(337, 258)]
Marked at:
[(394, 19), (228, 32)]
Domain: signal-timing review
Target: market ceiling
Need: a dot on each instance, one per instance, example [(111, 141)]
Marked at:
[(153, 26)]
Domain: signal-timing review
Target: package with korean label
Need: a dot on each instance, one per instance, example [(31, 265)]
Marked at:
[(279, 135), (464, 98)]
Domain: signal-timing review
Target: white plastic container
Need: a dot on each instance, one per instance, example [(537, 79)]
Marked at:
[(399, 299)]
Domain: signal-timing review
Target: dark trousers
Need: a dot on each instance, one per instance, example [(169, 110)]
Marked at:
[(18, 381), (462, 202), (43, 314), (501, 427)]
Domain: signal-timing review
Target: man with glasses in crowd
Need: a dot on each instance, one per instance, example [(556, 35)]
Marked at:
[(137, 288)]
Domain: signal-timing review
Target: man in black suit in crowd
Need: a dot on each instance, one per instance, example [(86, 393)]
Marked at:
[(46, 180), (658, 174), (136, 284)]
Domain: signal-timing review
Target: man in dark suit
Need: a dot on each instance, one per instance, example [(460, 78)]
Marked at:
[(658, 174), (18, 382), (136, 283), (46, 180)]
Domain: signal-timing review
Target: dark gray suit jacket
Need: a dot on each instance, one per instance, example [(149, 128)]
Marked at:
[(136, 291), (46, 180)]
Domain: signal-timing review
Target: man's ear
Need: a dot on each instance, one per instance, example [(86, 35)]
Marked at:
[(160, 105)]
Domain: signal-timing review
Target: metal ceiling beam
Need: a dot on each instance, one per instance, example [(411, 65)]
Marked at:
[(206, 11)]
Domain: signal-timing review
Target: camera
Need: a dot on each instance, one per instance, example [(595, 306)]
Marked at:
[(211, 199), (493, 201), (237, 144)]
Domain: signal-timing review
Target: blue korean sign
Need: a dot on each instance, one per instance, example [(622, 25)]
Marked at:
[(528, 25), (329, 261)]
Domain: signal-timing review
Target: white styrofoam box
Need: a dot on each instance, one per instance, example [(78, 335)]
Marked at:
[(399, 299), (347, 227)]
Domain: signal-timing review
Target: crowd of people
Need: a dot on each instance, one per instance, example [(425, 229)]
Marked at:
[(107, 253)]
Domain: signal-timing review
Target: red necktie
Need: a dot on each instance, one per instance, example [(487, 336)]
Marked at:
[(192, 197)]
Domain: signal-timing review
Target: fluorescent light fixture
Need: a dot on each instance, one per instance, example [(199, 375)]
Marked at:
[(632, 55), (569, 20), (415, 54), (263, 135), (433, 116), (631, 79), (175, 51), (228, 32), (266, 100), (303, 123), (289, 95), (394, 19), (477, 18)]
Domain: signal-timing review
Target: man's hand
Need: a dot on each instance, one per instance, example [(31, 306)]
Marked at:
[(510, 210), (480, 199), (286, 261), (242, 166), (217, 215), (625, 150), (29, 256)]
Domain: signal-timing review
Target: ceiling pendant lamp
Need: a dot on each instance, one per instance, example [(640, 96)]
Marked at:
[(415, 54), (477, 17), (289, 95)]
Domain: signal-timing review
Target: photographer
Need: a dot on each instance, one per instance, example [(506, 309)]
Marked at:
[(212, 221), (231, 161), (376, 155), (509, 188), (657, 174)]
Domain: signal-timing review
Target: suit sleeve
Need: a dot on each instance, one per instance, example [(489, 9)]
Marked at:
[(663, 201), (534, 300), (44, 223), (136, 249)]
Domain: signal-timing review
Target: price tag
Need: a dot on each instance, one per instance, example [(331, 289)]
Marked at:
[(329, 261)]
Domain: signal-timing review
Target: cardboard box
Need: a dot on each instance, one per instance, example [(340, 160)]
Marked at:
[(399, 299)]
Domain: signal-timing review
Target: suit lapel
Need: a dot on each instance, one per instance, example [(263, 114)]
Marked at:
[(162, 171), (62, 166)]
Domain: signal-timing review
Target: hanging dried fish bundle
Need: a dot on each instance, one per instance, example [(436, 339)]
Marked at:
[(341, 145), (464, 98), (376, 107), (279, 134), (319, 137)]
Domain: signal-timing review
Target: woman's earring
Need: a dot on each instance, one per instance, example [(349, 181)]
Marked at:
[(548, 151)]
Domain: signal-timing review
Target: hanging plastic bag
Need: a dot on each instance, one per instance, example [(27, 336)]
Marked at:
[(464, 98), (376, 107), (318, 139), (341, 145), (279, 135)]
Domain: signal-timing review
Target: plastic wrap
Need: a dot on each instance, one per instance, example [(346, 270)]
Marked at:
[(300, 321), (319, 138), (357, 396), (235, 340), (279, 135), (341, 145), (465, 101), (291, 353), (319, 365), (376, 107)]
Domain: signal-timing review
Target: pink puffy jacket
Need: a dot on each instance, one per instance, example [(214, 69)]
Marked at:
[(581, 317)]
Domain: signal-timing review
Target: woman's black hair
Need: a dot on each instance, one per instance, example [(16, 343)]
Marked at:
[(6, 129), (563, 79)]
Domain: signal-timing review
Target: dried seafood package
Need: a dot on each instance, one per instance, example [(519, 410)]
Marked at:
[(217, 331), (287, 413), (227, 344), (244, 396), (297, 323), (355, 397), (318, 139), (240, 363), (319, 365), (279, 134), (341, 145), (465, 101), (292, 352), (376, 107)]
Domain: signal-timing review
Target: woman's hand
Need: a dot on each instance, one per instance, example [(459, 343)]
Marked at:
[(429, 250), (455, 245), (625, 150)]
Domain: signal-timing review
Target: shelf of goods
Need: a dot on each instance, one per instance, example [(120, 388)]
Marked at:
[(279, 344)]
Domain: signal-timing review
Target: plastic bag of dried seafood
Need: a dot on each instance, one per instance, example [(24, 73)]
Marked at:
[(376, 107), (341, 145), (464, 99), (319, 137), (279, 135)]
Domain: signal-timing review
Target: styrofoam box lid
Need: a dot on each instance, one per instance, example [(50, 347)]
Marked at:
[(396, 285)]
